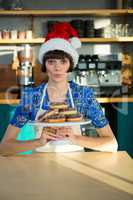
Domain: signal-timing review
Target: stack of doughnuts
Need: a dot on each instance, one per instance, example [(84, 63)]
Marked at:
[(60, 112)]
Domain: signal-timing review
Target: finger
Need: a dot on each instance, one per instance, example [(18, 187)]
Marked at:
[(62, 133), (65, 128), (52, 135), (48, 136), (65, 133), (53, 128), (49, 133), (49, 129), (51, 138)]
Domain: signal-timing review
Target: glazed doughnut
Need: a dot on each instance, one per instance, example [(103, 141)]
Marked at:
[(68, 111), (55, 119), (74, 118), (58, 105), (47, 114)]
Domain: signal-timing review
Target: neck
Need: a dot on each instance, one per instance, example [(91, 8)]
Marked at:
[(59, 85), (57, 91)]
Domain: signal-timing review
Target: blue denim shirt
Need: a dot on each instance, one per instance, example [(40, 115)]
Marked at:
[(83, 97)]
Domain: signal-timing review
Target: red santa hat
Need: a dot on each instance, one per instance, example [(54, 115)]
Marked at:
[(62, 37)]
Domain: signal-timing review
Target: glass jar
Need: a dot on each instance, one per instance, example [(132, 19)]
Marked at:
[(127, 4), (11, 4)]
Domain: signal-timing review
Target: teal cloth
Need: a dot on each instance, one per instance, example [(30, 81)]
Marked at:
[(26, 133)]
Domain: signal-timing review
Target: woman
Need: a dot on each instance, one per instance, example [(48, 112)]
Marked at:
[(58, 56)]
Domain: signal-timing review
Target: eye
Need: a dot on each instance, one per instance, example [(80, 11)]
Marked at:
[(64, 61), (50, 61)]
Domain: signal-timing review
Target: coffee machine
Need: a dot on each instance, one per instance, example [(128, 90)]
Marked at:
[(104, 76), (92, 62), (85, 72), (109, 75), (80, 72), (24, 71)]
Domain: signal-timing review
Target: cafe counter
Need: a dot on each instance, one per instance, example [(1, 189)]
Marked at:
[(100, 100), (67, 176)]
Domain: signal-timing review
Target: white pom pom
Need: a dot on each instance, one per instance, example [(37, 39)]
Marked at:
[(75, 42)]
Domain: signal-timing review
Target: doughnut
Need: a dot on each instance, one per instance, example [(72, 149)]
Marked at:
[(55, 119), (68, 111), (47, 114), (58, 105), (74, 118)]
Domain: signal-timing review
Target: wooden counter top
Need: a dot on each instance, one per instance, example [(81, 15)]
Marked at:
[(100, 99), (63, 176), (115, 99)]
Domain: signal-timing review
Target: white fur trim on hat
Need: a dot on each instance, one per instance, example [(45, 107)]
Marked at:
[(75, 42), (58, 44)]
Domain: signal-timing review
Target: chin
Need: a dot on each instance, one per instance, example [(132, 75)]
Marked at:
[(58, 80)]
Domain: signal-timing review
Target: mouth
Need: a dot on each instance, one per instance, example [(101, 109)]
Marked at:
[(59, 75)]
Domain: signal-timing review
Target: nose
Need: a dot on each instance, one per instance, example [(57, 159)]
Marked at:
[(57, 65)]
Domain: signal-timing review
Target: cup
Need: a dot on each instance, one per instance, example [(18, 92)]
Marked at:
[(29, 34), (14, 34), (5, 34), (0, 34), (118, 30), (126, 30), (21, 35), (107, 32)]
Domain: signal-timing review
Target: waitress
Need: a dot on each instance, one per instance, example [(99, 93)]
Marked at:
[(58, 56)]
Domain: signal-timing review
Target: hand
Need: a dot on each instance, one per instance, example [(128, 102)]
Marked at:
[(66, 132), (49, 134)]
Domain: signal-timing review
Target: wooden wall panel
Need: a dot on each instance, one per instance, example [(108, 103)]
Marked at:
[(8, 78)]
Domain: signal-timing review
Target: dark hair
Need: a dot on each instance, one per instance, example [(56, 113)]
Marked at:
[(57, 54)]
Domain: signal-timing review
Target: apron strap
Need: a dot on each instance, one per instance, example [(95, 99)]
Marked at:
[(44, 92), (71, 97)]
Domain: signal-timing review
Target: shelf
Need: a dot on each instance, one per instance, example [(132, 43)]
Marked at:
[(107, 40), (22, 41), (96, 12), (130, 11), (114, 99), (100, 100), (84, 40)]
